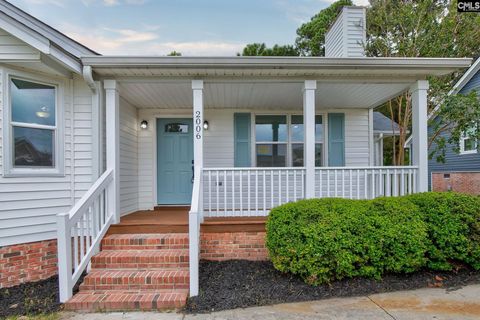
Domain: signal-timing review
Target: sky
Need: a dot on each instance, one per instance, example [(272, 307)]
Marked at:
[(192, 27)]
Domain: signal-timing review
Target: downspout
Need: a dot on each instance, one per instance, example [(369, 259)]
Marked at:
[(88, 77)]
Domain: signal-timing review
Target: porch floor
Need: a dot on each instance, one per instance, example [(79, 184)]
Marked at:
[(175, 220)]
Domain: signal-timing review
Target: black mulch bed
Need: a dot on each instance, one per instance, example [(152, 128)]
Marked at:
[(32, 298), (240, 283)]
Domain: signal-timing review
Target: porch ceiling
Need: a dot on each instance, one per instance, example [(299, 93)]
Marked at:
[(258, 94)]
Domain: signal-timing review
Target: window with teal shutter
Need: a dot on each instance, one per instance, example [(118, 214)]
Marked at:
[(336, 139), (242, 139)]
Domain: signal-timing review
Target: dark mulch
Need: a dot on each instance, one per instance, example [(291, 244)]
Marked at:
[(32, 298), (240, 283)]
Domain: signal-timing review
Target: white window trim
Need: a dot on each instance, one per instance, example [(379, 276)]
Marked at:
[(9, 170), (289, 141), (462, 146)]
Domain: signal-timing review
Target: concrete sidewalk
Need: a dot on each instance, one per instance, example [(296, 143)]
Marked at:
[(432, 303)]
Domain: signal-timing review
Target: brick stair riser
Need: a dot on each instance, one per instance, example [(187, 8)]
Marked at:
[(127, 302), (135, 265), (135, 281), (159, 286), (115, 247)]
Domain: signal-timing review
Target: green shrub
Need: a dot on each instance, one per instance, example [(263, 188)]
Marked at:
[(326, 239), (453, 228)]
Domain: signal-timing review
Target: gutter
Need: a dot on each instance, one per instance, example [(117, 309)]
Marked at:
[(275, 62), (88, 77)]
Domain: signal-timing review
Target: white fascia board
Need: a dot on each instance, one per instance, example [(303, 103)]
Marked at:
[(277, 62), (24, 33), (65, 60), (73, 47)]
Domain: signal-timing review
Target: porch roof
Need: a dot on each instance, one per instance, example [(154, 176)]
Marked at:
[(270, 83)]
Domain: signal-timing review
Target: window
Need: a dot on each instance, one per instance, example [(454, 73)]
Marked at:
[(32, 143), (468, 144), (280, 140)]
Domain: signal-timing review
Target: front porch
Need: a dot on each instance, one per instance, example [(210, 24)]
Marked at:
[(231, 145)]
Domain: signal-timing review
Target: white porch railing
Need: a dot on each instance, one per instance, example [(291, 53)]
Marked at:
[(79, 233), (255, 191), (250, 191), (195, 218), (365, 182)]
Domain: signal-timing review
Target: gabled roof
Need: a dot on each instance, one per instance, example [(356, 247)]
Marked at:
[(466, 77), (42, 37), (383, 124)]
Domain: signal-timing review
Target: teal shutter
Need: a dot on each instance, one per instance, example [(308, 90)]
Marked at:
[(336, 139), (241, 129)]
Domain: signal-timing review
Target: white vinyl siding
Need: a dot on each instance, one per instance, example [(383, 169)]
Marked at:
[(129, 126), (219, 144), (347, 35), (12, 48), (28, 205)]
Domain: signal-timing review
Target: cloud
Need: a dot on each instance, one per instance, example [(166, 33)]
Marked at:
[(109, 3), (145, 42), (58, 3)]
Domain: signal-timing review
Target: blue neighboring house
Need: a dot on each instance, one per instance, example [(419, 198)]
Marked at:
[(460, 172)]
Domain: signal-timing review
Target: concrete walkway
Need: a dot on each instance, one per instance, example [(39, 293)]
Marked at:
[(439, 304)]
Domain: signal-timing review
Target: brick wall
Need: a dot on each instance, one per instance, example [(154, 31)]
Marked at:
[(233, 245), (27, 262), (466, 182)]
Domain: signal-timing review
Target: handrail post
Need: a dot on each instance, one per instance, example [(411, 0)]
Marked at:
[(113, 147), (194, 236), (64, 255)]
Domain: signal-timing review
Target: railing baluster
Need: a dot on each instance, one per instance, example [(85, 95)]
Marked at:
[(294, 185), (365, 180), (320, 171), (256, 192), (350, 173), (210, 192), (287, 184), (358, 184), (343, 183), (271, 188), (241, 192), (233, 192), (388, 187), (328, 182), (264, 193), (218, 195), (225, 186), (249, 191)]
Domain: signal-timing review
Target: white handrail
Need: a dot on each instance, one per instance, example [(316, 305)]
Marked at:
[(80, 231), (195, 217)]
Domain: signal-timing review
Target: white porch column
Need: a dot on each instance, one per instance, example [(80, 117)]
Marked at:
[(309, 145), (420, 132), (112, 130), (197, 87)]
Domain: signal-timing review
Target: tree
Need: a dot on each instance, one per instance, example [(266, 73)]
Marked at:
[(427, 28), (260, 49), (174, 54), (457, 116), (311, 35)]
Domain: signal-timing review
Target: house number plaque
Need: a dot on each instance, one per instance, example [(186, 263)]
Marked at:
[(198, 125)]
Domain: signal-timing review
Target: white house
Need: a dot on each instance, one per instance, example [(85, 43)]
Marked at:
[(94, 145)]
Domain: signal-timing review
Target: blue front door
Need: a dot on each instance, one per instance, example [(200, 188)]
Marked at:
[(174, 161)]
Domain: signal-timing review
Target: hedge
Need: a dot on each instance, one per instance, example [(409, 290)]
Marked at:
[(326, 239)]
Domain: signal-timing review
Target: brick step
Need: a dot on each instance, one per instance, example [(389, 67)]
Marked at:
[(136, 279), (146, 241), (141, 259), (121, 300)]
